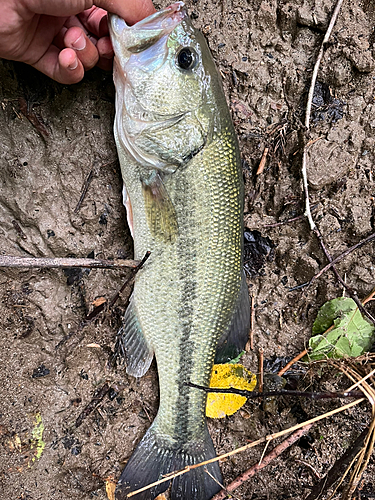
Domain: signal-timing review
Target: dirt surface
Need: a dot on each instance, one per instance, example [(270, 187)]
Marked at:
[(52, 367)]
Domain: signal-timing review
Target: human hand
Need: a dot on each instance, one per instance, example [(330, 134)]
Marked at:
[(63, 38)]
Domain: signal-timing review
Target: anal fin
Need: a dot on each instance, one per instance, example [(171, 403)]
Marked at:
[(139, 354), (160, 212), (234, 339)]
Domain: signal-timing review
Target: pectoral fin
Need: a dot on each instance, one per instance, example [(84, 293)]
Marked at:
[(160, 212), (139, 353), (234, 340)]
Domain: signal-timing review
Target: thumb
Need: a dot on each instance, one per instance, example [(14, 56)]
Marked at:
[(130, 10)]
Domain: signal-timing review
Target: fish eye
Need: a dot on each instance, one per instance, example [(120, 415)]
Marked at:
[(186, 58)]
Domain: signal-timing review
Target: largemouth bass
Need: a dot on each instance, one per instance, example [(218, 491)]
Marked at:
[(184, 197)]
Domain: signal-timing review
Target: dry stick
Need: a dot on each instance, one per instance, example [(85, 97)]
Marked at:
[(98, 309), (342, 256), (288, 221), (338, 468), (352, 293), (308, 111), (319, 58), (291, 363), (369, 297), (111, 302), (97, 398), (85, 188), (262, 440), (250, 342), (363, 456), (64, 263), (283, 392), (139, 266), (87, 183), (261, 369), (366, 451), (266, 460), (304, 161)]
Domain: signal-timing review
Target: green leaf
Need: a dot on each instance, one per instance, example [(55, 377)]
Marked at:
[(351, 335), (236, 360)]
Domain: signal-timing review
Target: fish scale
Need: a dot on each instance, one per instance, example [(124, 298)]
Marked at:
[(190, 299)]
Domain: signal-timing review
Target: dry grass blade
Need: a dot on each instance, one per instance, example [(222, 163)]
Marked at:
[(360, 461), (364, 456), (262, 440)]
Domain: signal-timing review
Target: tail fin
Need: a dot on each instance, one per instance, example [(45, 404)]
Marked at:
[(156, 456)]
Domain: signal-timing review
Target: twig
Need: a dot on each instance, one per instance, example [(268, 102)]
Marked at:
[(250, 342), (318, 60), (278, 450), (111, 302), (217, 482), (97, 398), (291, 363), (358, 456), (139, 266), (255, 395), (260, 369), (248, 446), (338, 468), (307, 212), (26, 109), (263, 452), (85, 187), (366, 451), (308, 111), (18, 229), (351, 293), (369, 297), (98, 309), (342, 256), (64, 263), (309, 466), (293, 219)]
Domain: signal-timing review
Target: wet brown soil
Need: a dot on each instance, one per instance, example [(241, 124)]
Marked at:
[(52, 366)]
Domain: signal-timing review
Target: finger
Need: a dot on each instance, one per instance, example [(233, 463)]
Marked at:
[(59, 38), (61, 8), (105, 50), (130, 10), (104, 47), (105, 64), (73, 21), (70, 22), (62, 66), (85, 49), (95, 21)]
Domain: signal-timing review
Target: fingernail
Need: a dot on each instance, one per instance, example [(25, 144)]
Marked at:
[(80, 43), (73, 65)]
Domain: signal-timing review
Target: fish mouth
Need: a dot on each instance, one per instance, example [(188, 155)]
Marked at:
[(146, 32)]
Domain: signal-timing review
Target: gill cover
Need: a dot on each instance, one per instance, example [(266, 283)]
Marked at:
[(160, 93)]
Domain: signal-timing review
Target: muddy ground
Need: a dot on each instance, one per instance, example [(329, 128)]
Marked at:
[(52, 367)]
